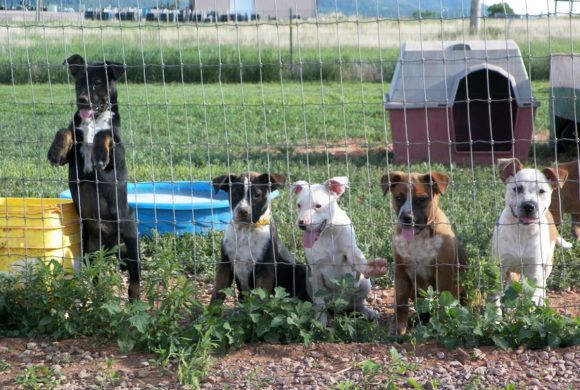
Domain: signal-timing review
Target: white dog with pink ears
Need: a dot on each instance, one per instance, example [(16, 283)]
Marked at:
[(330, 244)]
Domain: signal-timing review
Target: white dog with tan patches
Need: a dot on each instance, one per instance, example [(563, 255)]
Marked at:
[(525, 236), (330, 244)]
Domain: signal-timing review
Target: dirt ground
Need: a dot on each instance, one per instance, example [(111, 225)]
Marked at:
[(90, 364), (87, 364)]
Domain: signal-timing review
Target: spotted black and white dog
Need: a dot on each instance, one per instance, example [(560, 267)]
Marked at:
[(252, 253)]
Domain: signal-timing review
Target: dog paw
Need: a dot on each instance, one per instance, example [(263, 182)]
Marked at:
[(370, 314), (563, 243), (376, 268), (54, 158), (101, 158), (56, 154)]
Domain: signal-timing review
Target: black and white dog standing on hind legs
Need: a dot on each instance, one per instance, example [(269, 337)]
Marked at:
[(97, 174)]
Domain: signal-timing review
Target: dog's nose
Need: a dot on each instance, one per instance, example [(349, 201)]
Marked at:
[(83, 99), (301, 224), (243, 213), (407, 219), (528, 207)]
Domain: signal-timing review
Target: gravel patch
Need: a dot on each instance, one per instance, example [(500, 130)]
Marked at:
[(84, 364)]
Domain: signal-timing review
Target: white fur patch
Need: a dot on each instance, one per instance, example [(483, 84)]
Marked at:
[(90, 129), (419, 253), (244, 246)]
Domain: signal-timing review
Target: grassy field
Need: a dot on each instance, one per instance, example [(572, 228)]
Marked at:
[(328, 49), (192, 132)]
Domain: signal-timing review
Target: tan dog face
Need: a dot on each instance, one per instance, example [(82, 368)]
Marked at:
[(414, 198)]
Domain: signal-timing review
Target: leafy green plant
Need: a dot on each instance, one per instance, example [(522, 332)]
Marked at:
[(522, 322), (259, 317), (38, 377), (4, 365), (113, 376), (44, 299)]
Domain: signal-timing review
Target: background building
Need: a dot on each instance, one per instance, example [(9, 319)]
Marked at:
[(266, 9)]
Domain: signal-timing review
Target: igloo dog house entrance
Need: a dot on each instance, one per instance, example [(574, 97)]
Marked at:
[(460, 102)]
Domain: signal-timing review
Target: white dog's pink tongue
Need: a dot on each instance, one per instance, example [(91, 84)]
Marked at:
[(408, 233), (309, 238), (528, 220), (85, 114)]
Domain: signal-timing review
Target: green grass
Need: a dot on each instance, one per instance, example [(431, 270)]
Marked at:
[(230, 53), (190, 132)]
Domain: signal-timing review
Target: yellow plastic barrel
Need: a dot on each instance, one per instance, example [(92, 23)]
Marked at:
[(38, 228)]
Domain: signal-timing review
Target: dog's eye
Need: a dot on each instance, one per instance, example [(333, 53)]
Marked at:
[(318, 206), (257, 194), (422, 199), (542, 191), (299, 205), (400, 198)]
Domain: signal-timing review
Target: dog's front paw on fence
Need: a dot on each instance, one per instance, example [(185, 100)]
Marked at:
[(376, 268), (101, 157), (60, 147)]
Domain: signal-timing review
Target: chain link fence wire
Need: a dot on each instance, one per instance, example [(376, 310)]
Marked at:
[(300, 88)]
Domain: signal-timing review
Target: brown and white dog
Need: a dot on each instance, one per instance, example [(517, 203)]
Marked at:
[(426, 251), (525, 236), (567, 198)]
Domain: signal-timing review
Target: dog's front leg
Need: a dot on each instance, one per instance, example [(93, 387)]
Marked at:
[(537, 275), (102, 144), (317, 285), (223, 279), (403, 290), (61, 146)]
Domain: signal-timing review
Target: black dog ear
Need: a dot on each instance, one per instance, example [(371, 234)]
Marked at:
[(115, 70), (274, 180), (74, 63), (224, 182)]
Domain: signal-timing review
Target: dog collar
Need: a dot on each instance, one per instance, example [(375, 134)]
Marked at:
[(263, 221)]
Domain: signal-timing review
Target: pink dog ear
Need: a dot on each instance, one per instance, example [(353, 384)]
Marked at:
[(298, 187), (337, 185)]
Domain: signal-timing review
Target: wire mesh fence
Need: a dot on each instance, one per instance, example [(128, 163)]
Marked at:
[(306, 90)]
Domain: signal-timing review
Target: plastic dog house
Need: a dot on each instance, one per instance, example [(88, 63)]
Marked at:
[(460, 102)]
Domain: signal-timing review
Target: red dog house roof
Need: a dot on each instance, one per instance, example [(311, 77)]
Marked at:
[(460, 102)]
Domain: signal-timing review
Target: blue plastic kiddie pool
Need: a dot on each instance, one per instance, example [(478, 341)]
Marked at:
[(177, 207)]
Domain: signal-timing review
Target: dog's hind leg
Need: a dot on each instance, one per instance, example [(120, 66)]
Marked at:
[(224, 277), (128, 231), (576, 226)]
